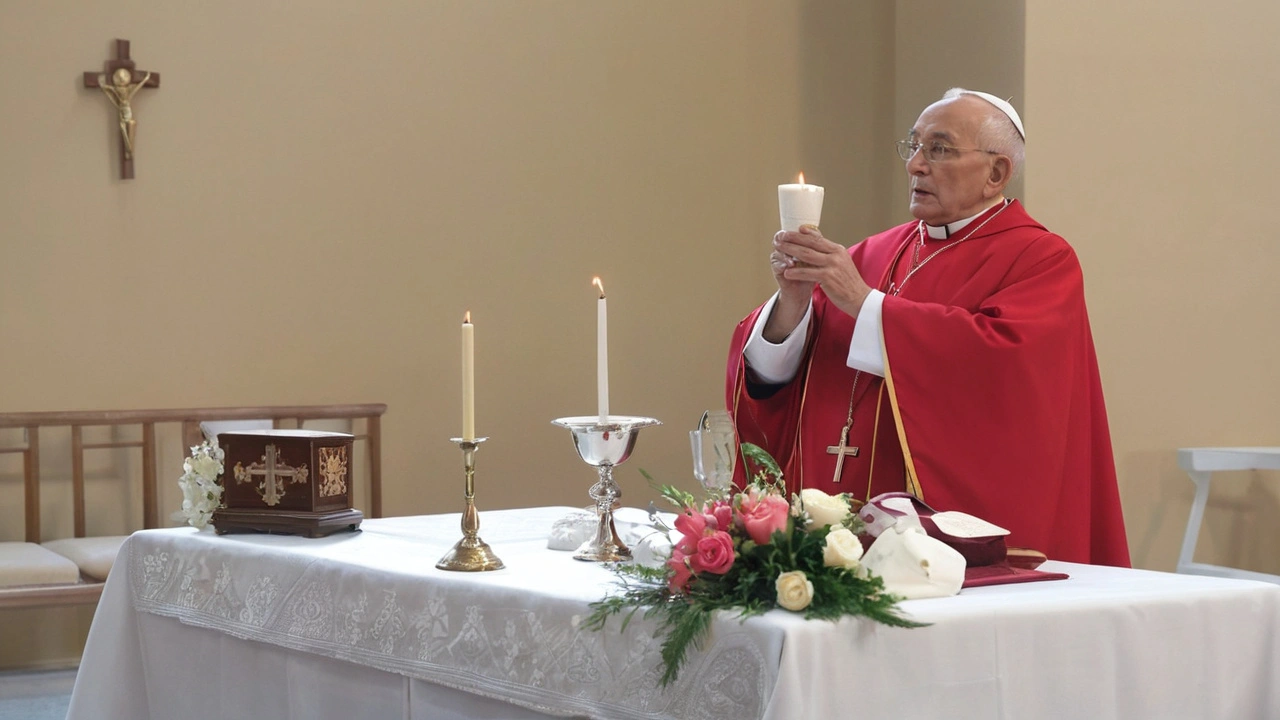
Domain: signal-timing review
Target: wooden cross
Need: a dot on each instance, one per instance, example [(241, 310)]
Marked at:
[(273, 476), (841, 451), (120, 88)]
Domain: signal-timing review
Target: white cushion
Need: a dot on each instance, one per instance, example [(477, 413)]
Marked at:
[(93, 555), (29, 564), (211, 428), (570, 531)]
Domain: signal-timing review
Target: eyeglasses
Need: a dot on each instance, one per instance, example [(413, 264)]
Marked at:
[(935, 151)]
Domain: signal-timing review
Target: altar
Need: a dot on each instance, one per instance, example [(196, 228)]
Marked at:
[(196, 625)]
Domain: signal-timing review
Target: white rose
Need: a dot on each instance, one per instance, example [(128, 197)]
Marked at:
[(843, 549), (795, 591), (824, 509), (212, 491), (189, 489), (207, 467)]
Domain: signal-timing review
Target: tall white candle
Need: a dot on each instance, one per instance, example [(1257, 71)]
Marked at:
[(800, 204), (468, 379), (602, 353)]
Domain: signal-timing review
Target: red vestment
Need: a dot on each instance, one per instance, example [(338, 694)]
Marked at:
[(991, 404)]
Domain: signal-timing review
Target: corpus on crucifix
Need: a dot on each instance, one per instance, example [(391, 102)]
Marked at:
[(120, 92), (120, 83)]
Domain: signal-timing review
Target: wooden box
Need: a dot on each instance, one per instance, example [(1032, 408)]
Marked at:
[(296, 482)]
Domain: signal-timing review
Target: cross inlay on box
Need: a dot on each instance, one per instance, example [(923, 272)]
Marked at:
[(273, 474)]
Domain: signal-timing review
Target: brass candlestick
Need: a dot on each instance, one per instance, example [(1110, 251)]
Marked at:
[(470, 554)]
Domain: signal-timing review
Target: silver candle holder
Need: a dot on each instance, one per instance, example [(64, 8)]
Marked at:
[(604, 445), (470, 554)]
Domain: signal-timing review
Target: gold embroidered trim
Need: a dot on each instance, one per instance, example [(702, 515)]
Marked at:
[(875, 436), (913, 480)]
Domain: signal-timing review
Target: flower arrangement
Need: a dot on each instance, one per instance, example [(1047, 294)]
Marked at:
[(749, 552), (201, 492)]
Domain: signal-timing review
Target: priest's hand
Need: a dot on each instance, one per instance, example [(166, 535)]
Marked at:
[(821, 261), (793, 295)]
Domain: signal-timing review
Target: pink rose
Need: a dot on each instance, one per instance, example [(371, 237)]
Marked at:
[(713, 523), (692, 526), (723, 513), (714, 554), (681, 574), (762, 515)]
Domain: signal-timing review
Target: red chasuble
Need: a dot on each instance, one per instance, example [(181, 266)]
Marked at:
[(991, 403)]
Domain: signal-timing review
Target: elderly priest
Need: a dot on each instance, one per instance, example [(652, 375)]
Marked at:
[(950, 357)]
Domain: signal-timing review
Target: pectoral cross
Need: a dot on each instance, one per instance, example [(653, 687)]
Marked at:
[(273, 475), (841, 451)]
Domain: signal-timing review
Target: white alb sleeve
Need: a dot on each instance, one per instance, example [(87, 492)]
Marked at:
[(776, 364), (865, 352)]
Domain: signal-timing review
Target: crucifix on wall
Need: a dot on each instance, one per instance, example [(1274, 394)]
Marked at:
[(120, 81)]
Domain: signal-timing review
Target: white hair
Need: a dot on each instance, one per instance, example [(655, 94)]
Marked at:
[(997, 132)]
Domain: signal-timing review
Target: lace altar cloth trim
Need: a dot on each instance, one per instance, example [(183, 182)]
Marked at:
[(374, 598)]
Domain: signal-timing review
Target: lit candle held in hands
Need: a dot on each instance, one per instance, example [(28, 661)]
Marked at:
[(799, 204)]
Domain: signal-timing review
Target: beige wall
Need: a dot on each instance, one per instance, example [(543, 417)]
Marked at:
[(321, 194), (1146, 149), (975, 44)]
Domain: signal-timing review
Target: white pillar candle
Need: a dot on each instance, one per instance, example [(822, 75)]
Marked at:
[(602, 353), (468, 379), (799, 204)]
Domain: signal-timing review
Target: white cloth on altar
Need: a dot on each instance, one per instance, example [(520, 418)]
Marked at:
[(193, 629), (375, 598)]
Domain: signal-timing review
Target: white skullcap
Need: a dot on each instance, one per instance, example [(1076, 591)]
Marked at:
[(1001, 105)]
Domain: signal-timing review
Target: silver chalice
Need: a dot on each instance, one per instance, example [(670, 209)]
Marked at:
[(604, 445)]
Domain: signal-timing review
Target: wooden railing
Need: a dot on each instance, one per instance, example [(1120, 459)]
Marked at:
[(189, 419)]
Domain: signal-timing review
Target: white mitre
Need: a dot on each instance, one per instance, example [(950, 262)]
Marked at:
[(914, 565), (1001, 105)]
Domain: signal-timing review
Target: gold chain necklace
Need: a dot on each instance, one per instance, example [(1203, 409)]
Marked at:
[(917, 263), (843, 449)]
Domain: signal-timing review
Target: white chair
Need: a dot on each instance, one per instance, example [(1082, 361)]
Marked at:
[(1200, 464)]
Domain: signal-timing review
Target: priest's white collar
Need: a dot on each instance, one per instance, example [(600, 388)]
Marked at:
[(942, 232)]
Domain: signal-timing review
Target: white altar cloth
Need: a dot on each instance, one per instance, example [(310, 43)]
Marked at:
[(196, 625)]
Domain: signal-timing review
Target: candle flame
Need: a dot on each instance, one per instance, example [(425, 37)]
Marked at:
[(467, 318), (801, 178), (596, 281)]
